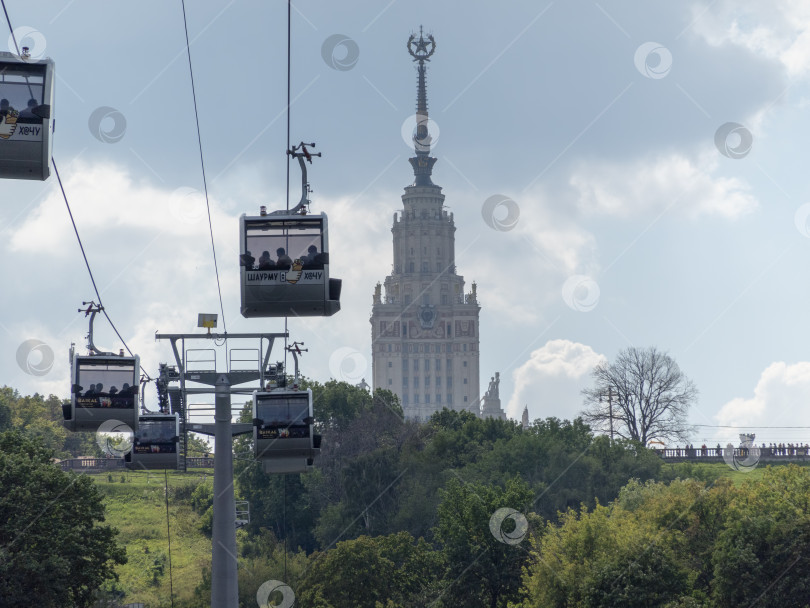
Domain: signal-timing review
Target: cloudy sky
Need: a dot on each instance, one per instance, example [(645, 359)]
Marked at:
[(651, 154)]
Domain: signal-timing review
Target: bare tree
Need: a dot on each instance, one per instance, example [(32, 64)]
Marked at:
[(647, 392)]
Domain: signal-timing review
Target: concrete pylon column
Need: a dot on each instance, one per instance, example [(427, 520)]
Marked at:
[(224, 583)]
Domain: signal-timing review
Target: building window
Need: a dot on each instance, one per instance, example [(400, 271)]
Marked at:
[(424, 266), (445, 300), (438, 266), (390, 363), (411, 267), (465, 398), (405, 325), (449, 397), (416, 365), (438, 398), (449, 381), (449, 364), (438, 365), (411, 250), (405, 399), (404, 365), (464, 363), (449, 333), (465, 348), (425, 299), (416, 398), (389, 348), (390, 382), (407, 299), (405, 382), (427, 380), (427, 398), (465, 381), (416, 382)]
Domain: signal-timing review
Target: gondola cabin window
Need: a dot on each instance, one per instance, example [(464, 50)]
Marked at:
[(106, 384), (293, 243), (156, 436), (283, 417)]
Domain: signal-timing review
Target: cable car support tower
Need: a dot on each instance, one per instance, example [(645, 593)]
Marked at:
[(224, 584)]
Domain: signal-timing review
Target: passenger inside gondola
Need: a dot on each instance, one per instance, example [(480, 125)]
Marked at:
[(5, 108), (312, 253), (247, 260), (284, 261), (266, 262), (27, 115)]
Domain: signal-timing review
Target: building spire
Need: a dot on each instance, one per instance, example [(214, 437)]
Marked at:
[(421, 50)]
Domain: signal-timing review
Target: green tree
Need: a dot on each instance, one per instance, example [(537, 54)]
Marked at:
[(482, 569), (41, 417), (51, 538), (197, 446), (762, 550), (682, 544), (366, 572)]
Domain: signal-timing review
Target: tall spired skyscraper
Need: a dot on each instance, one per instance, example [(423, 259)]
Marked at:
[(424, 328)]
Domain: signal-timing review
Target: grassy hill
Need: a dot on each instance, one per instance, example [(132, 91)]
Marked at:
[(136, 505)]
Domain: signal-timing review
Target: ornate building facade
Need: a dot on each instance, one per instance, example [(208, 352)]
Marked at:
[(424, 327)]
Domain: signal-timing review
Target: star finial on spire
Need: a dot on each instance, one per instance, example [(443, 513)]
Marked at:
[(421, 49)]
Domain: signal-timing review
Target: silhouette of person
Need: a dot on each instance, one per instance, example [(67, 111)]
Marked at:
[(312, 251), (246, 260), (284, 261), (5, 108), (113, 391), (27, 115), (265, 261)]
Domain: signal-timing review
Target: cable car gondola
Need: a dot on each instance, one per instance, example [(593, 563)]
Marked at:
[(289, 273), (156, 443), (104, 387), (283, 437), (284, 260), (26, 108)]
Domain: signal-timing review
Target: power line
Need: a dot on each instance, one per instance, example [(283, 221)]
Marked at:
[(11, 29), (202, 164), (87, 264), (750, 426)]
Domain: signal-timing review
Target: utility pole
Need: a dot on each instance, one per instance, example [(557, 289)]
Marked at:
[(610, 411)]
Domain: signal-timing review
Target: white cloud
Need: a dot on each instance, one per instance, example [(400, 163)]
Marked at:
[(533, 259), (780, 399), (551, 381), (653, 186), (778, 30)]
